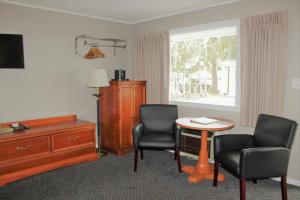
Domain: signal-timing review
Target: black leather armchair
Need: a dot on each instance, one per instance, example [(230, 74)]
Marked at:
[(157, 131), (262, 155)]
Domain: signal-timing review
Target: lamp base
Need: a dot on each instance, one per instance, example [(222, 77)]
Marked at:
[(101, 153)]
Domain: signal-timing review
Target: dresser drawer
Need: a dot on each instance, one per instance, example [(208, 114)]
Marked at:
[(73, 139), (23, 148)]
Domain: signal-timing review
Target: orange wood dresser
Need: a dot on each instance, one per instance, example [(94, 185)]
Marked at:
[(50, 143), (120, 112)]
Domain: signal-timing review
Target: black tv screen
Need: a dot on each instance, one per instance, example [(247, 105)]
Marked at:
[(11, 51)]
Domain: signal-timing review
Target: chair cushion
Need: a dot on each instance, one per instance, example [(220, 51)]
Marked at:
[(230, 160), (157, 140)]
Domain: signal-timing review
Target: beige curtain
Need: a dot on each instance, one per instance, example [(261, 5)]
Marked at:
[(263, 65), (153, 64)]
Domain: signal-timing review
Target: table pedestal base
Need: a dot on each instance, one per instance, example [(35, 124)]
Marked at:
[(203, 170), (201, 173)]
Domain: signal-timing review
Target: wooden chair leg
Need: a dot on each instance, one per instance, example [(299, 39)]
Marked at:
[(178, 160), (283, 188), (142, 154), (242, 189), (135, 159), (216, 173)]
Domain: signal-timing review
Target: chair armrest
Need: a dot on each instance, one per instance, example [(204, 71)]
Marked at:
[(137, 133), (177, 135), (264, 162), (232, 142)]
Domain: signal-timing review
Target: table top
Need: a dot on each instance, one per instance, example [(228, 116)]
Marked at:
[(220, 125)]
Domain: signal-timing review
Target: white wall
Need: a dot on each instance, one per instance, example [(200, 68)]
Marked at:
[(53, 81), (237, 10)]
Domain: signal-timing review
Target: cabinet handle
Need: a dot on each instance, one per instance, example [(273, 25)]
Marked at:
[(74, 138), (23, 148)]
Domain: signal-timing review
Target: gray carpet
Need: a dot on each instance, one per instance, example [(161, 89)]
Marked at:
[(113, 178)]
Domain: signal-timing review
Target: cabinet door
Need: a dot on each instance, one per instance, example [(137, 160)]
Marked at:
[(126, 110), (139, 98), (108, 123)]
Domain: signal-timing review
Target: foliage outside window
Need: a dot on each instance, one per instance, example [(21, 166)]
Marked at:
[(203, 66)]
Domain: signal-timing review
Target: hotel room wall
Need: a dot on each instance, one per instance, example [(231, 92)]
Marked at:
[(54, 79), (237, 10)]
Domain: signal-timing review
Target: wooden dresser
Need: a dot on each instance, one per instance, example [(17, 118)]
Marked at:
[(50, 143), (120, 112)]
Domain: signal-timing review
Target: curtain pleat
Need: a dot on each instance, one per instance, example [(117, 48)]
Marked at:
[(263, 65), (153, 64)]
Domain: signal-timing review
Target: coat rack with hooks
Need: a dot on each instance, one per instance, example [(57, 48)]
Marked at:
[(96, 42)]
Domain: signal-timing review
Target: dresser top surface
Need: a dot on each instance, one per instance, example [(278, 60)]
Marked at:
[(128, 82), (41, 126)]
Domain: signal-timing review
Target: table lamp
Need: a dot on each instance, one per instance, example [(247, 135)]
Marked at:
[(98, 78)]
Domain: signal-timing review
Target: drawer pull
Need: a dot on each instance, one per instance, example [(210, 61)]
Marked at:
[(73, 138), (23, 148)]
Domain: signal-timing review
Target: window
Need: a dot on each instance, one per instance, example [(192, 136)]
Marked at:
[(204, 64)]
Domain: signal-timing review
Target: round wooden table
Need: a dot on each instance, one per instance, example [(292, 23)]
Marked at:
[(203, 170)]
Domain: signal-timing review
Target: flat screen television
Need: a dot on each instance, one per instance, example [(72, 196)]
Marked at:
[(11, 51)]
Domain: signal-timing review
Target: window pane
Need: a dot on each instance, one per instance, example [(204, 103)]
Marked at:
[(203, 67)]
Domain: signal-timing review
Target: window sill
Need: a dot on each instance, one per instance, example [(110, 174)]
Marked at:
[(207, 106)]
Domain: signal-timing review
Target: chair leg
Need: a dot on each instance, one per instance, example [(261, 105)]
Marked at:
[(216, 173), (283, 188), (242, 189), (178, 160), (175, 155), (135, 159), (142, 154)]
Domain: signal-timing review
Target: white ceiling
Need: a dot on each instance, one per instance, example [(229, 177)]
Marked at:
[(124, 11)]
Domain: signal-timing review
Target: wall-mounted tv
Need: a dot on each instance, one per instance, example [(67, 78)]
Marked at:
[(11, 51)]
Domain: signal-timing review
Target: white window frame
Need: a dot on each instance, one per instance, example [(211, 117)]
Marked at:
[(203, 27)]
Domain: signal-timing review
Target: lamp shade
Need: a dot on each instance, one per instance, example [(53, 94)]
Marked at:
[(97, 78)]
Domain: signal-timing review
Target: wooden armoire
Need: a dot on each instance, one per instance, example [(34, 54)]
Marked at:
[(119, 113)]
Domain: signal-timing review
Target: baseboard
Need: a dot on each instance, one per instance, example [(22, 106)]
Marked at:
[(290, 181), (191, 156), (194, 157)]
